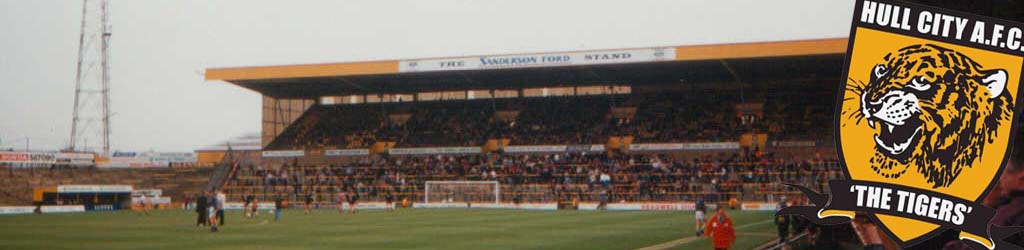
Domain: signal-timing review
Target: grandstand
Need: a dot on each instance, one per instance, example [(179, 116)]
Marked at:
[(637, 129), (667, 124), (629, 129)]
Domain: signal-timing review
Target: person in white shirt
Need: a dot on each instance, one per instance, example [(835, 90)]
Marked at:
[(145, 203), (606, 180), (221, 198)]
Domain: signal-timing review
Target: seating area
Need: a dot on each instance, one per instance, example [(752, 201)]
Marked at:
[(673, 117), (544, 178), (658, 117), (808, 115)]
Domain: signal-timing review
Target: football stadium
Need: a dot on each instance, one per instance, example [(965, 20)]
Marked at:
[(570, 150), (629, 148)]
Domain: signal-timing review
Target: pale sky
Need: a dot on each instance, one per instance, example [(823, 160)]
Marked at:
[(160, 48)]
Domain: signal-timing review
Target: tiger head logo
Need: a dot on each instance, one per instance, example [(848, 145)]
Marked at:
[(933, 108)]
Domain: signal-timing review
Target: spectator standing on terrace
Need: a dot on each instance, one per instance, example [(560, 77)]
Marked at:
[(606, 180), (721, 229)]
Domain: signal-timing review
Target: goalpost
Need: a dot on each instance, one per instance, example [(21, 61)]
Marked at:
[(462, 191)]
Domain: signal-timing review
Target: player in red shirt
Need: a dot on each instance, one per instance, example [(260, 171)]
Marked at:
[(721, 229)]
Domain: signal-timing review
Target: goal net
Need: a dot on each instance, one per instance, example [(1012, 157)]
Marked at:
[(462, 191)]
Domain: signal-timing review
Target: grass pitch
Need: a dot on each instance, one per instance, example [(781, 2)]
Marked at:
[(399, 229)]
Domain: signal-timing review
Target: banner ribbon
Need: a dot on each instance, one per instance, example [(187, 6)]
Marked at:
[(949, 212)]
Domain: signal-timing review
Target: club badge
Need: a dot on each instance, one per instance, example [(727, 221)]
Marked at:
[(924, 122)]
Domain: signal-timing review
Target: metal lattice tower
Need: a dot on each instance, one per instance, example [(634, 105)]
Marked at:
[(90, 121)]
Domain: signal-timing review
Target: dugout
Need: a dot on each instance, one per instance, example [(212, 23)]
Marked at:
[(92, 197)]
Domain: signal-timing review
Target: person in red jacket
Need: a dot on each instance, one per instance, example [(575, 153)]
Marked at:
[(721, 230)]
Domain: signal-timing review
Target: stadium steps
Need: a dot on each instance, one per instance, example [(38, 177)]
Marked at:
[(17, 189)]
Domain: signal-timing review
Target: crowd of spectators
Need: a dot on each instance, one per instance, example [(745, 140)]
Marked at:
[(558, 121), (671, 116), (343, 127), (443, 124), (653, 117), (549, 177), (800, 116)]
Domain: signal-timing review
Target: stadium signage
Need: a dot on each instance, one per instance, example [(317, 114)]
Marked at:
[(14, 156), (641, 206), (283, 153), (346, 152), (534, 149), (522, 206), (171, 157), (539, 60), (794, 144), (43, 209), (17, 210), (758, 207), (446, 150), (368, 206), (62, 209), (131, 162), (147, 192), (74, 158), (152, 200), (146, 159), (239, 206), (42, 158), (684, 146), (925, 123), (441, 205), (94, 189), (28, 157), (585, 148)]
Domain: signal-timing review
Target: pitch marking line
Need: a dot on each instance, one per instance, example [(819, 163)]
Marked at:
[(686, 240)]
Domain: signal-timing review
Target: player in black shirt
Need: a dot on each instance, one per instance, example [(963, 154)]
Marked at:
[(246, 201), (309, 200), (353, 201), (389, 200), (201, 208), (278, 205), (699, 208)]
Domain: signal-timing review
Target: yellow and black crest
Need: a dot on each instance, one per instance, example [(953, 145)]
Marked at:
[(924, 121)]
